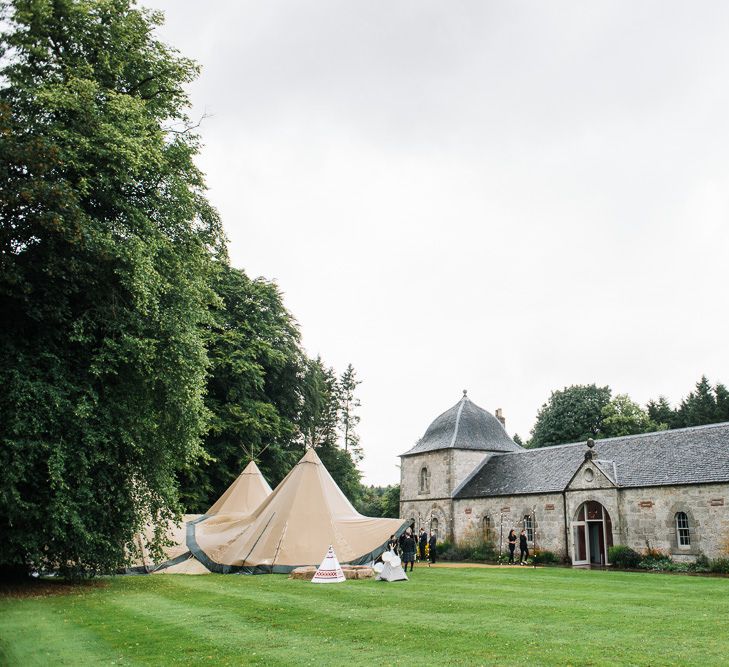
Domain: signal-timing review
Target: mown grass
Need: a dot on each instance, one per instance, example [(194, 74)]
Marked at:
[(439, 617)]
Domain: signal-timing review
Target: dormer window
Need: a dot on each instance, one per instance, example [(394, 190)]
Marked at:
[(424, 480)]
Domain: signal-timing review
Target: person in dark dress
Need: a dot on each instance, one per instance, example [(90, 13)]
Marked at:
[(408, 550), (523, 548), (421, 544), (401, 542), (432, 548), (392, 544), (512, 545)]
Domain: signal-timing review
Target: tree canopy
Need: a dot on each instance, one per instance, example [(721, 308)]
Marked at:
[(571, 414), (107, 250), (582, 411), (140, 371)]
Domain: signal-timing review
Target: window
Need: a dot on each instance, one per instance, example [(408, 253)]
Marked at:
[(434, 525), (529, 527), (487, 532), (424, 480), (683, 534)]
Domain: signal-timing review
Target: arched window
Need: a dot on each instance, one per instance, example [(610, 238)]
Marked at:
[(488, 535), (424, 480), (529, 527), (434, 525), (683, 533)]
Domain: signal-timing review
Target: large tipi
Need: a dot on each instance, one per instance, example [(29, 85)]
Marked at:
[(292, 527)]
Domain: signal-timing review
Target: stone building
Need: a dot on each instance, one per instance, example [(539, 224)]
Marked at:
[(468, 480)]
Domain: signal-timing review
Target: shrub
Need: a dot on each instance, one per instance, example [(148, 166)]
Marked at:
[(545, 558), (622, 556), (720, 566), (701, 564), (475, 551)]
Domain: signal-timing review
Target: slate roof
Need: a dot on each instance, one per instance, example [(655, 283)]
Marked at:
[(465, 426), (681, 456)]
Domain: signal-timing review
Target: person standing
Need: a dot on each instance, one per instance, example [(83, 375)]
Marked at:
[(408, 550), (512, 545), (422, 542), (392, 544), (523, 548), (431, 548)]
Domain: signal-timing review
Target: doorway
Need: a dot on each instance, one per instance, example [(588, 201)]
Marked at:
[(592, 533)]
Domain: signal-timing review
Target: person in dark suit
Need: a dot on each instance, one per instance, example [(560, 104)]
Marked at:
[(408, 550), (422, 542), (432, 548), (523, 548)]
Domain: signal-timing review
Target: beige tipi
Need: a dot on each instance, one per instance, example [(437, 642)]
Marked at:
[(306, 513), (243, 496), (246, 493)]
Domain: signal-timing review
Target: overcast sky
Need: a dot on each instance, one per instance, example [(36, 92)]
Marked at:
[(501, 197)]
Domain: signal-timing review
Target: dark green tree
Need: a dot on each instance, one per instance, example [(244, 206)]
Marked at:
[(318, 424), (391, 502), (722, 402), (348, 417), (661, 412), (107, 248), (253, 390), (699, 407), (571, 414), (517, 439)]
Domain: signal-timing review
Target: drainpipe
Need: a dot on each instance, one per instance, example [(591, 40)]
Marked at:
[(566, 531)]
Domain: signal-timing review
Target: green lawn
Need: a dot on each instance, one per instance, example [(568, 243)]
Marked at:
[(439, 617)]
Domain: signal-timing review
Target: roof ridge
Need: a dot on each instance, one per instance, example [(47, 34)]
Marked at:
[(458, 421), (633, 436)]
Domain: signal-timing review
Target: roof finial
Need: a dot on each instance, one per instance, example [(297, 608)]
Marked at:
[(465, 391)]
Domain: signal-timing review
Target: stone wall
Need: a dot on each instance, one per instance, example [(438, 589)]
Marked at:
[(649, 519), (437, 464), (506, 512)]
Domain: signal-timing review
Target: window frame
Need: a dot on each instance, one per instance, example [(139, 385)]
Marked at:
[(683, 532), (424, 481)]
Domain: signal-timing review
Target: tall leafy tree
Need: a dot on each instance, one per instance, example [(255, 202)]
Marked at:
[(571, 414), (253, 389), (107, 248), (622, 416)]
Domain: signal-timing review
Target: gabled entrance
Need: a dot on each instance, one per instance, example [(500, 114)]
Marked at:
[(592, 534)]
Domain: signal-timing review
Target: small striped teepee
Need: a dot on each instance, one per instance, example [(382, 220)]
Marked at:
[(329, 571)]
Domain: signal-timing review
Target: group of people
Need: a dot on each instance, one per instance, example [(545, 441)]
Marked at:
[(523, 547), (408, 545)]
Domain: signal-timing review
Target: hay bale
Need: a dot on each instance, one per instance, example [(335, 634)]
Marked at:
[(306, 572)]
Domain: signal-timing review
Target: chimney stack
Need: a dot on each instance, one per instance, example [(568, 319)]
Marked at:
[(500, 417)]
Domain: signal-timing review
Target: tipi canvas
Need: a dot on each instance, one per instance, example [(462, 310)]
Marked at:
[(288, 529), (329, 571), (244, 495)]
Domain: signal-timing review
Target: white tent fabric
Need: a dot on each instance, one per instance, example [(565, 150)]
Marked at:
[(391, 568), (329, 572), (291, 528)]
